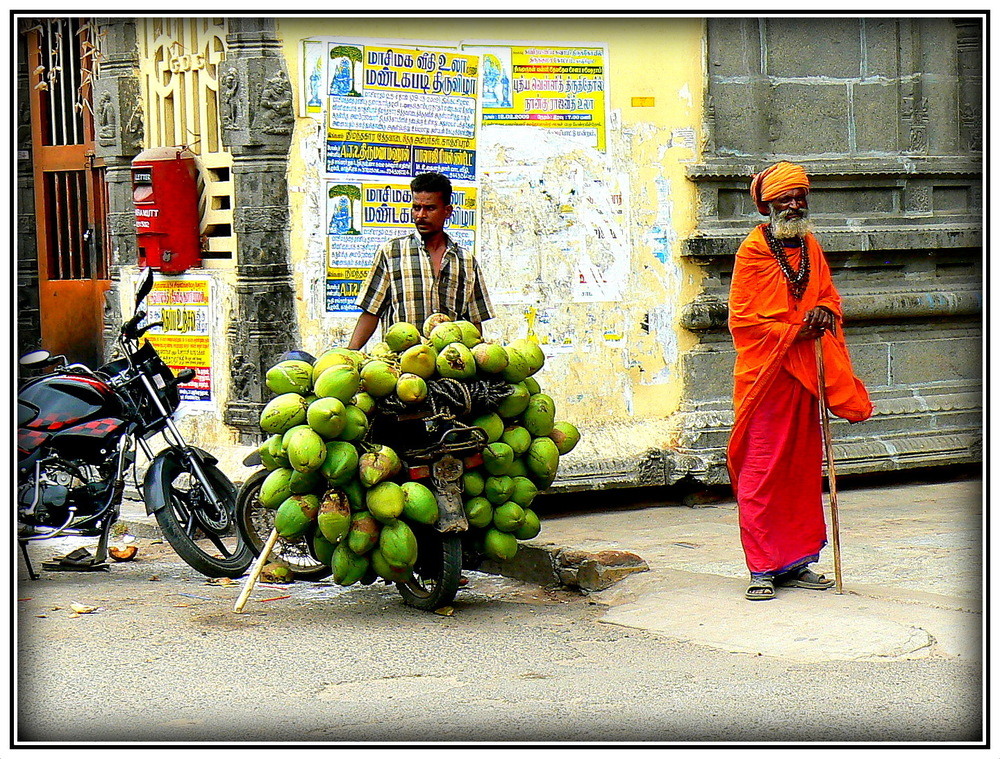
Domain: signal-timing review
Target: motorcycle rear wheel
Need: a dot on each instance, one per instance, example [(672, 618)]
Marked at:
[(207, 540), (434, 581), (255, 523)]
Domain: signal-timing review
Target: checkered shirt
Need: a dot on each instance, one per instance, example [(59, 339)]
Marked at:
[(401, 286)]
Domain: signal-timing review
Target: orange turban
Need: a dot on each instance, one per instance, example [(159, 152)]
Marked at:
[(775, 181)]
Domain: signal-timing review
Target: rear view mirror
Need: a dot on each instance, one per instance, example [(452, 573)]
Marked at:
[(34, 358), (144, 285)]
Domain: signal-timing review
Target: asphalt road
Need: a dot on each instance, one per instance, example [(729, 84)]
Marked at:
[(162, 657)]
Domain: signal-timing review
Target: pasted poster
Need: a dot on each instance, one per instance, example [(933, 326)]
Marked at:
[(313, 87), (397, 112), (391, 111), (362, 216), (183, 342), (562, 88)]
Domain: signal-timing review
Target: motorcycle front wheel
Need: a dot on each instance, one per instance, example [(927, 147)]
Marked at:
[(203, 535), (256, 522), (434, 580)]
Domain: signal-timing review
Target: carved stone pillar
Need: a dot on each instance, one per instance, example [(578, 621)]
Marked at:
[(118, 132), (28, 317), (970, 83), (257, 119)]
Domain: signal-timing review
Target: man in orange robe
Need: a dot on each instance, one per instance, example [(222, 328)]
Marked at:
[(781, 300)]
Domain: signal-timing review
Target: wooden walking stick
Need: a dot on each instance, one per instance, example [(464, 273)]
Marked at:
[(258, 567), (831, 471)]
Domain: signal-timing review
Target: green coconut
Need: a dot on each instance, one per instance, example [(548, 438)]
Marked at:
[(378, 378), (327, 416), (400, 336), (432, 321), (530, 527), (411, 388), (471, 336), (491, 424), (296, 515), (539, 416), (283, 412), (292, 376), (340, 381), (334, 517), (455, 361), (385, 501), (490, 358), (565, 436), (419, 503), (445, 334), (498, 545), (355, 424), (479, 512), (341, 462), (420, 359)]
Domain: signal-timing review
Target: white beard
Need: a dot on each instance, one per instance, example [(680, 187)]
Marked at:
[(786, 229)]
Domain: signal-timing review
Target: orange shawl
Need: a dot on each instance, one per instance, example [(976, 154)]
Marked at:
[(764, 320)]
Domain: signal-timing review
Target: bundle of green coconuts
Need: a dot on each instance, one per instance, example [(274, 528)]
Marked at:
[(350, 498)]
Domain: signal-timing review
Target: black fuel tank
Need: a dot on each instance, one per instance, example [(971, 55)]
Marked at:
[(66, 400)]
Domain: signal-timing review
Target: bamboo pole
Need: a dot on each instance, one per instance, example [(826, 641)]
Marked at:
[(831, 471), (258, 567)]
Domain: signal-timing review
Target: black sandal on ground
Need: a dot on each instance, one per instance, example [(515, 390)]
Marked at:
[(77, 560), (760, 589), (809, 580)]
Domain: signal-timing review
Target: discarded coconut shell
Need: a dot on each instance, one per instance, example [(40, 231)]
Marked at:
[(122, 553), (276, 573)]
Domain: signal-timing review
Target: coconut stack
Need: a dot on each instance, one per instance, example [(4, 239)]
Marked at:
[(349, 496)]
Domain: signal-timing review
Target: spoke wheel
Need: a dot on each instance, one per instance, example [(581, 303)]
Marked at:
[(203, 534), (255, 522)]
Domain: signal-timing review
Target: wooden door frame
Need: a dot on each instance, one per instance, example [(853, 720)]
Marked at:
[(63, 335)]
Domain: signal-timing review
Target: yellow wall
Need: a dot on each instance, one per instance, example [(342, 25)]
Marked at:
[(616, 373)]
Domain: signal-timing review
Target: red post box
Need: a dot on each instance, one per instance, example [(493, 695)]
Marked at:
[(165, 193)]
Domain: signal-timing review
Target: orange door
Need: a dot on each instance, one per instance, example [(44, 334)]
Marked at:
[(70, 195)]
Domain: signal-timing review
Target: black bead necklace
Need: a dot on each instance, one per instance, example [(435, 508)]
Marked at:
[(797, 280)]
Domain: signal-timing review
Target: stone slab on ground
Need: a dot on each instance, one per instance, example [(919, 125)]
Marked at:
[(798, 624)]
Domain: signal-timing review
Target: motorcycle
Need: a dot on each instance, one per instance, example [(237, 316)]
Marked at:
[(436, 448), (78, 432)]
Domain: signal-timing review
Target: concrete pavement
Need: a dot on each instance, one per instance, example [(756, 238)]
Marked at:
[(911, 562)]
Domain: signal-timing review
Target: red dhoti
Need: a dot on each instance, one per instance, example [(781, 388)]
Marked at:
[(779, 480), (775, 450)]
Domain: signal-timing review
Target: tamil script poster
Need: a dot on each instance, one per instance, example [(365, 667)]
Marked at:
[(183, 304), (392, 111), (557, 87), (363, 216)]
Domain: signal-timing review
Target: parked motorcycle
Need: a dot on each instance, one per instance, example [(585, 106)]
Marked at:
[(78, 431), (435, 449)]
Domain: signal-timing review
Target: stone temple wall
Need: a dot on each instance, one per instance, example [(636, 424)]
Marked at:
[(886, 116)]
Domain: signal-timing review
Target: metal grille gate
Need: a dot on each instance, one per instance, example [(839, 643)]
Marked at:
[(70, 194)]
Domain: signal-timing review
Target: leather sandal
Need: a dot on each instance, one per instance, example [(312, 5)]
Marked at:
[(760, 589), (77, 560), (810, 581)]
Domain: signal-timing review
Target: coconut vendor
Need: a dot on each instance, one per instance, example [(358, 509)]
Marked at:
[(424, 272), (781, 300)]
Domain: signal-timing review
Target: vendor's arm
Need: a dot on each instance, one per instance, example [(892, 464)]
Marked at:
[(363, 330), (372, 299)]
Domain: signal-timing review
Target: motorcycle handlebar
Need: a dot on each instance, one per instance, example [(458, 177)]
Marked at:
[(128, 328), (148, 327)]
